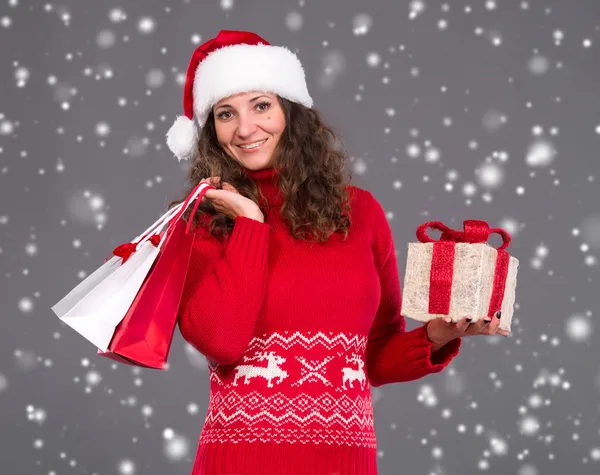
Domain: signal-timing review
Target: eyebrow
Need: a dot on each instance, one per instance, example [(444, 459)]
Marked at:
[(251, 100)]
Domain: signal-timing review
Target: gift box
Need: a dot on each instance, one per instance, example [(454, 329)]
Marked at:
[(460, 274)]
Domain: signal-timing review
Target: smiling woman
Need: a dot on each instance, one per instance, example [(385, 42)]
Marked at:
[(249, 126), (303, 154), (294, 333), (247, 111)]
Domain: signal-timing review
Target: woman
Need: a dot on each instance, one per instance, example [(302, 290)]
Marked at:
[(293, 291)]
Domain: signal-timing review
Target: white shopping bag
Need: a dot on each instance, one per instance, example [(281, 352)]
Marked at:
[(96, 316), (97, 305)]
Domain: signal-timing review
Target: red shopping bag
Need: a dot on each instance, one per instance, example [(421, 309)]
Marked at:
[(143, 337)]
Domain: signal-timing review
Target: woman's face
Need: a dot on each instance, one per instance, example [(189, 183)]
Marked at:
[(245, 119)]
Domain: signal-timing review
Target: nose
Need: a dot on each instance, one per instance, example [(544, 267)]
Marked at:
[(246, 126)]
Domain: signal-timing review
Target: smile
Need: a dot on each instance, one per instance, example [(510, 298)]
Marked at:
[(252, 147)]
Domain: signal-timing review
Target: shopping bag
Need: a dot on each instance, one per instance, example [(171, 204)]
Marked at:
[(102, 306), (97, 305), (144, 336)]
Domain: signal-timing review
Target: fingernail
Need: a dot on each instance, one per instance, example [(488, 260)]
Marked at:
[(498, 314), (469, 319), (487, 320)]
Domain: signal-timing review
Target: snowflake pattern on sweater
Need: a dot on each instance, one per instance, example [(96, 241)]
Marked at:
[(293, 387)]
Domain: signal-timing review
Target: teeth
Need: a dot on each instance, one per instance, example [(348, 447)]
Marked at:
[(254, 145)]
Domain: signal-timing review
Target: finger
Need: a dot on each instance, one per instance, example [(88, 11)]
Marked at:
[(464, 323), (209, 195), (502, 332), (230, 187), (494, 324), (482, 325), (215, 182)]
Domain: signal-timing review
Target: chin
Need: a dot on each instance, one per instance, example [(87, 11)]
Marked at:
[(257, 163)]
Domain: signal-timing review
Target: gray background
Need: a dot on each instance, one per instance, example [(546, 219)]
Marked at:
[(486, 96)]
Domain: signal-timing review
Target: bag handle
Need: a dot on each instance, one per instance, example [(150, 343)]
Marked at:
[(197, 195), (159, 221), (153, 232), (176, 212), (155, 228)]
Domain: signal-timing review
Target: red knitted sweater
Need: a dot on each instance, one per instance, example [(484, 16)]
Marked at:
[(294, 333)]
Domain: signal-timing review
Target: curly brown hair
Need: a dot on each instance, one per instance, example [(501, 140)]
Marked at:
[(312, 162)]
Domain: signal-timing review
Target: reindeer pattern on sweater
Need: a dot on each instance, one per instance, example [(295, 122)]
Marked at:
[(293, 386)]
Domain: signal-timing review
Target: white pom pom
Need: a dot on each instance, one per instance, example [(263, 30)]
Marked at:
[(182, 138)]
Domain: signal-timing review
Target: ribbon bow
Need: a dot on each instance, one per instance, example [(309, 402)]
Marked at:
[(125, 250), (475, 231)]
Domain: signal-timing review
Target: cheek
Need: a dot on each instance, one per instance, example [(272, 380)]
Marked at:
[(223, 135), (276, 123)]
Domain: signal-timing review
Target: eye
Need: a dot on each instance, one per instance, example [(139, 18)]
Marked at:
[(220, 115), (265, 104)]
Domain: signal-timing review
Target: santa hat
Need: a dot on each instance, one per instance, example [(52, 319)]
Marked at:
[(230, 63)]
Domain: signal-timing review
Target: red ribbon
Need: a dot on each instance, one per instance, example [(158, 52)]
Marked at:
[(125, 250), (442, 262)]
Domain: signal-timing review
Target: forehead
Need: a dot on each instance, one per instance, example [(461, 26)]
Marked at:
[(243, 97)]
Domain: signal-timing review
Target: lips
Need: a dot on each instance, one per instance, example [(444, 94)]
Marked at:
[(253, 148)]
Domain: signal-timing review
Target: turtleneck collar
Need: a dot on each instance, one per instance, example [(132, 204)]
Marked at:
[(267, 180)]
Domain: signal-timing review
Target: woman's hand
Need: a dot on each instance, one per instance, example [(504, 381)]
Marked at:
[(441, 330), (229, 201)]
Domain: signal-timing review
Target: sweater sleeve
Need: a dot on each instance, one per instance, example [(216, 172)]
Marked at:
[(224, 290), (393, 354)]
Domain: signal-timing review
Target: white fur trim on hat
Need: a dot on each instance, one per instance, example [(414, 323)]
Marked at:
[(242, 68), (182, 138)]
